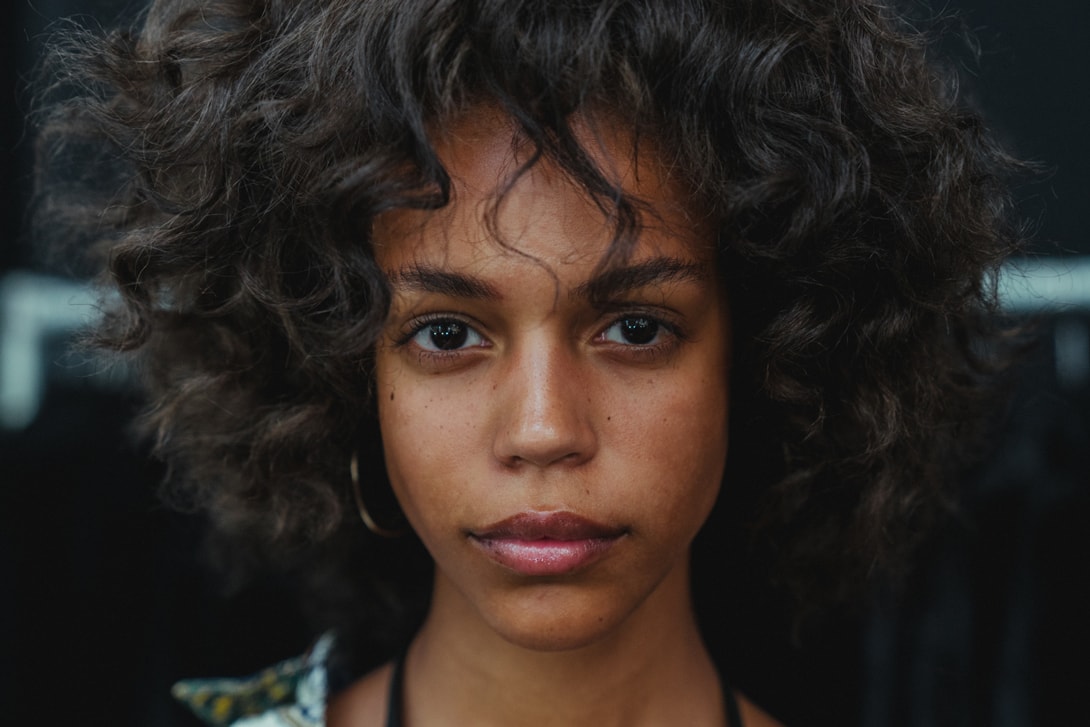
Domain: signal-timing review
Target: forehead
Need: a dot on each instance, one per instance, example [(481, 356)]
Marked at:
[(505, 202)]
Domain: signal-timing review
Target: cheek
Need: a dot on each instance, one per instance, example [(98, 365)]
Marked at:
[(699, 438), (426, 437), (681, 448)]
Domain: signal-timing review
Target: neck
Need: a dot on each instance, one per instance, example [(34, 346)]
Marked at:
[(652, 668)]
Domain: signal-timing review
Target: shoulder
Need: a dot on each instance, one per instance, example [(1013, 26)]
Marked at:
[(754, 716), (363, 703)]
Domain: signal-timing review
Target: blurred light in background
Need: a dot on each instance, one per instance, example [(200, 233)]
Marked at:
[(40, 317), (1046, 284)]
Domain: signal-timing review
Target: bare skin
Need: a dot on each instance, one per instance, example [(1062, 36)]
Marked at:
[(507, 390), (634, 677), (365, 704)]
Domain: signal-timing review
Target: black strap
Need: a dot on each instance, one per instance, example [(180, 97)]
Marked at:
[(395, 697), (734, 717)]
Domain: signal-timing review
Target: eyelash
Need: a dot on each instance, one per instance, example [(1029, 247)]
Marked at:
[(668, 330), (428, 356), (668, 335)]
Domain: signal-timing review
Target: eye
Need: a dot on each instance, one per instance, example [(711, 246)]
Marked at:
[(634, 331), (446, 334)]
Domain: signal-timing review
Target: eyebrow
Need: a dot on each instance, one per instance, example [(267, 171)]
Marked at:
[(428, 279), (616, 281), (610, 283)]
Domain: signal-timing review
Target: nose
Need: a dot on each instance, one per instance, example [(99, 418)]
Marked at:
[(544, 413)]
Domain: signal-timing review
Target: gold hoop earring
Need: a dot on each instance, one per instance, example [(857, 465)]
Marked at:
[(354, 470)]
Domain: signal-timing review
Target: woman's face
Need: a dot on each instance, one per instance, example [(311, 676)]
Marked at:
[(555, 433)]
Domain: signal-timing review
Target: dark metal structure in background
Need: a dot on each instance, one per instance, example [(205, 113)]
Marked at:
[(104, 601)]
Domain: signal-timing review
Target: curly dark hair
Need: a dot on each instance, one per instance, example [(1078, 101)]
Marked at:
[(860, 206)]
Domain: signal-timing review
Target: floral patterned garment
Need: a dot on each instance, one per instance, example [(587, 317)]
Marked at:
[(289, 694)]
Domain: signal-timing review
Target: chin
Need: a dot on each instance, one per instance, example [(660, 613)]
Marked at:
[(550, 621), (561, 637)]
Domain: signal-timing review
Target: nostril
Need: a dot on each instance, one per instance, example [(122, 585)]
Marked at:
[(541, 440)]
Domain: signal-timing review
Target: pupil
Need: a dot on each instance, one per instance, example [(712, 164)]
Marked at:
[(639, 330), (448, 335)]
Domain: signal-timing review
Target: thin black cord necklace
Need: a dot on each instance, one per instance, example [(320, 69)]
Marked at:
[(397, 695)]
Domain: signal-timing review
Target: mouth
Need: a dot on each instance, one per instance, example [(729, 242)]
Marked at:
[(546, 544)]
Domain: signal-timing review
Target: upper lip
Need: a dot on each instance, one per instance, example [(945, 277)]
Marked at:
[(547, 526)]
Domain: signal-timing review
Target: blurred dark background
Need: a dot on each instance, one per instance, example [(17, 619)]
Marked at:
[(105, 602)]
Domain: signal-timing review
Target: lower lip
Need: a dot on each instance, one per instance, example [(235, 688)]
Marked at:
[(545, 557)]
